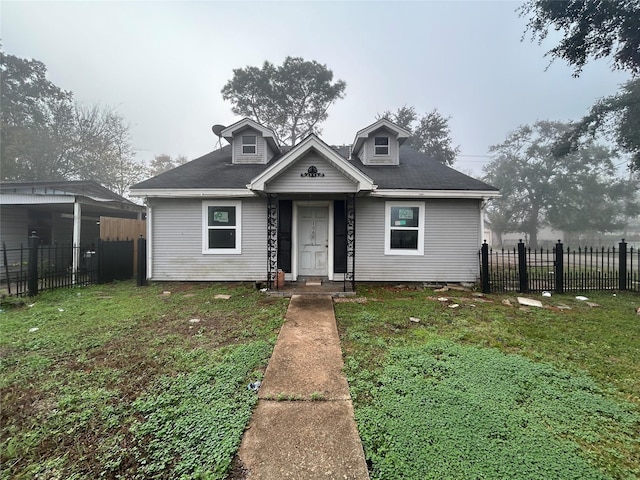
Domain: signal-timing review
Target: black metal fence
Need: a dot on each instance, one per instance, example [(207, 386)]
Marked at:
[(27, 270), (560, 269)]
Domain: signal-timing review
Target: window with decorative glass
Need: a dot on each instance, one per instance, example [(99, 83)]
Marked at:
[(222, 233), (404, 228)]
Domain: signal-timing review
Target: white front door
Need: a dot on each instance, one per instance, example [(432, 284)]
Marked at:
[(313, 241)]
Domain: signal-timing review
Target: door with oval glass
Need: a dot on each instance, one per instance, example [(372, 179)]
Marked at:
[(313, 240)]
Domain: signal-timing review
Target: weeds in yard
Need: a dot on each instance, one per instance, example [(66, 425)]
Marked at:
[(488, 390), (116, 382), (317, 396)]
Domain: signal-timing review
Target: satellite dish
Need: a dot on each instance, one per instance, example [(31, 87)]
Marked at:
[(217, 130)]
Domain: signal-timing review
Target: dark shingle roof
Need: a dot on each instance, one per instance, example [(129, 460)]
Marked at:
[(416, 171), (213, 170)]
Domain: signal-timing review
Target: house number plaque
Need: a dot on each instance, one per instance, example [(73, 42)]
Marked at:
[(312, 171)]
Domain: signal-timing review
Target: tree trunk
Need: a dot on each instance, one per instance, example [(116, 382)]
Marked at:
[(533, 237), (497, 240)]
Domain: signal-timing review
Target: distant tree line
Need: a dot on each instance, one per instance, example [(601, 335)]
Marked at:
[(557, 174), (47, 136)]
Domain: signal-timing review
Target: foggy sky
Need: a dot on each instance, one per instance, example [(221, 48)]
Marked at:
[(162, 65)]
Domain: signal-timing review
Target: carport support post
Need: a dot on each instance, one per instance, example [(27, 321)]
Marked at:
[(522, 268), (622, 270), (559, 267), (484, 268), (32, 270), (77, 222)]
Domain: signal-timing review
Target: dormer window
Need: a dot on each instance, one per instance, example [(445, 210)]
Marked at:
[(381, 146), (379, 143), (249, 144)]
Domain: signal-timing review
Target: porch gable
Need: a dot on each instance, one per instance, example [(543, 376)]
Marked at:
[(311, 173), (312, 166)]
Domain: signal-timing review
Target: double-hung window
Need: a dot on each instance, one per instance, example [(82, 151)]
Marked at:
[(249, 144), (404, 228), (221, 227), (381, 146)]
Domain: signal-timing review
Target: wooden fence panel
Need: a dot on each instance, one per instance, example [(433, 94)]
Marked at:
[(112, 228)]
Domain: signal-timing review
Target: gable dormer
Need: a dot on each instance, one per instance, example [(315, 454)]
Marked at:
[(379, 143), (251, 142)]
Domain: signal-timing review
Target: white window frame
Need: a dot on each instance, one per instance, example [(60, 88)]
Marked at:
[(387, 146), (254, 144), (388, 228), (205, 227)]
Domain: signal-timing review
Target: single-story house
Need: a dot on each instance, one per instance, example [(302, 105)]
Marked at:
[(376, 210), (60, 213)]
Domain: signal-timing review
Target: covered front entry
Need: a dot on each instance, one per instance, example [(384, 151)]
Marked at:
[(311, 193), (313, 240)]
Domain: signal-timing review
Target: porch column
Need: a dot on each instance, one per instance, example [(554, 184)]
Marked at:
[(350, 206), (77, 222), (272, 239)]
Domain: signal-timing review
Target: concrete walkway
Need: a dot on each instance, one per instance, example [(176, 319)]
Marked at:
[(303, 426)]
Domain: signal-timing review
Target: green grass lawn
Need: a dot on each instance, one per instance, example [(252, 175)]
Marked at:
[(491, 390), (116, 381)]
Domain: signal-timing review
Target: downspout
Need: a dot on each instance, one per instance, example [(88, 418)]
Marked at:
[(483, 204), (149, 241)]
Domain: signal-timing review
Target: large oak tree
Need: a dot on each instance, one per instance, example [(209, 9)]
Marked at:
[(577, 193), (596, 29), (292, 99), (46, 136), (430, 133)]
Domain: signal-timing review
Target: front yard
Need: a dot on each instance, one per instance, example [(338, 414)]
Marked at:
[(123, 382), (116, 381), (490, 389)]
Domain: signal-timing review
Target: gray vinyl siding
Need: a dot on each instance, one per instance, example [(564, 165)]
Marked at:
[(13, 232), (291, 181), (451, 244), (261, 148), (176, 243), (368, 149), (270, 152), (14, 228)]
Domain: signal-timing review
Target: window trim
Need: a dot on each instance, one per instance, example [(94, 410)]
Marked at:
[(388, 228), (205, 227), (387, 146), (254, 144)]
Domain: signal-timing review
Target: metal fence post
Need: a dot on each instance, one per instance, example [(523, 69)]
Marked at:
[(142, 262), (484, 268), (622, 270), (6, 266), (32, 272), (559, 267), (522, 268), (99, 261)]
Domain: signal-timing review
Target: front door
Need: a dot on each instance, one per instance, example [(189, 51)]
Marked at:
[(313, 241)]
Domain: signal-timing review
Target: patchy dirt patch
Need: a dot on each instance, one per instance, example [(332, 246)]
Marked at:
[(237, 471), (22, 405), (215, 331), (268, 300)]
